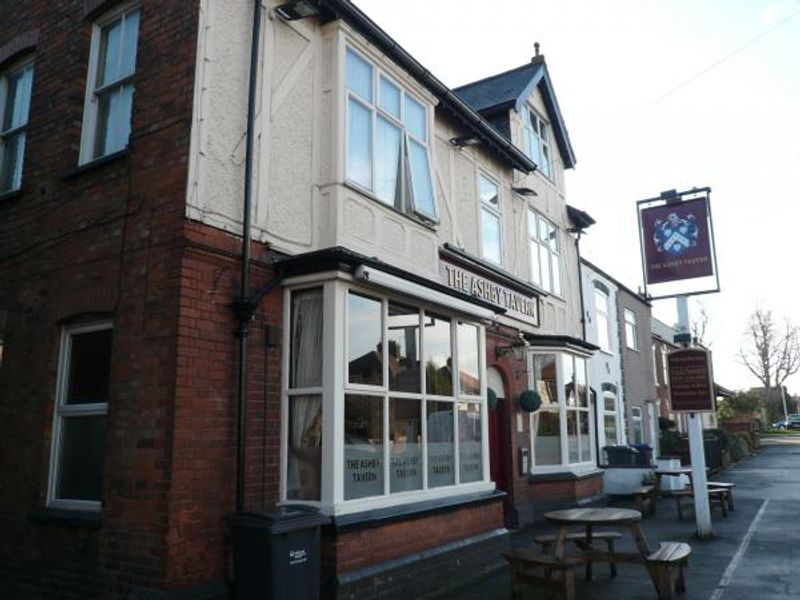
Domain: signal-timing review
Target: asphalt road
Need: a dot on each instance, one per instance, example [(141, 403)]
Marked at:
[(754, 553)]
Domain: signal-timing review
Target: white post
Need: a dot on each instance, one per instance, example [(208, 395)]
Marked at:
[(783, 397), (702, 510)]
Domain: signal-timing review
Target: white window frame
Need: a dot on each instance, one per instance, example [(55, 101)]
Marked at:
[(545, 251), (91, 101), (21, 129), (631, 329), (487, 208), (604, 394), (335, 387), (655, 365), (536, 145), (65, 411), (602, 312), (565, 465), (409, 205)]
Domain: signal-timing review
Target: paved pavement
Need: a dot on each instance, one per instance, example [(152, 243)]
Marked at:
[(753, 555)]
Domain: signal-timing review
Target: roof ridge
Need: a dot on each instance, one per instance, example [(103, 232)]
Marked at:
[(495, 76)]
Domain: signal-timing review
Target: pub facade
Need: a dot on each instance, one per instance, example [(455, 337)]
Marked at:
[(406, 354)]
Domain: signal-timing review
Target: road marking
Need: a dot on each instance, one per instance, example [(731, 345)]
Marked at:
[(737, 558)]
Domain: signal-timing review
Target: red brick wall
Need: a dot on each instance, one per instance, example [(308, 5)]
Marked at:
[(349, 551), (106, 240)]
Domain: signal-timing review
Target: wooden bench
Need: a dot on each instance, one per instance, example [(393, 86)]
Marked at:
[(661, 563), (524, 563), (718, 496), (579, 539), (723, 485), (646, 499)]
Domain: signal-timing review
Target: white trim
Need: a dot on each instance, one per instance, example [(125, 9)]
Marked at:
[(62, 411)]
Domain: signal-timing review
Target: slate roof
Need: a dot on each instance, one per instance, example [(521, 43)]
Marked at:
[(511, 89)]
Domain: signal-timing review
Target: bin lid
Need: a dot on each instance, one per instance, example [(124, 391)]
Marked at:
[(282, 519)]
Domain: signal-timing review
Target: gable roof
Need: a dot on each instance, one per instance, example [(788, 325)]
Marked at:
[(511, 89)]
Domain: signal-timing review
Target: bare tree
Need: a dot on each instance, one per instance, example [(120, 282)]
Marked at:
[(700, 327), (773, 351)]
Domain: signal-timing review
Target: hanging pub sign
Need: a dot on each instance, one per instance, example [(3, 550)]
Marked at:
[(677, 243), (691, 383)]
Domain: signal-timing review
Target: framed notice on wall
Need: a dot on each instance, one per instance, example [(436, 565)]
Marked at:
[(691, 382)]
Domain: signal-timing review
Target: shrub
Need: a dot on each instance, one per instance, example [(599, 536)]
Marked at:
[(738, 449)]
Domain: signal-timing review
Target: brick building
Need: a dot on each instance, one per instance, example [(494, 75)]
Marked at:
[(411, 249)]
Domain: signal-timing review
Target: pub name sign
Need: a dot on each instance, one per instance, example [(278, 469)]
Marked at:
[(515, 304)]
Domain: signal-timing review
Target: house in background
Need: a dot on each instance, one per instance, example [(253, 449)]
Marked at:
[(167, 361)]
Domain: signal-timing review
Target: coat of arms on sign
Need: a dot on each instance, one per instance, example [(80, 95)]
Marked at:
[(675, 235)]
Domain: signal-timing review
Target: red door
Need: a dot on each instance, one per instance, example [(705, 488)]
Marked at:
[(497, 457)]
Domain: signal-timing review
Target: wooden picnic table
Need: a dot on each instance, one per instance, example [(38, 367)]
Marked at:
[(659, 473), (591, 517)]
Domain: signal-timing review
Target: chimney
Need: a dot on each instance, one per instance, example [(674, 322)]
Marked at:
[(537, 58)]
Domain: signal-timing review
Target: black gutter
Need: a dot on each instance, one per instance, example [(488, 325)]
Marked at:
[(245, 308), (460, 109)]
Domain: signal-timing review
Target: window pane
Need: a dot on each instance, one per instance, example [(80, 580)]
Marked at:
[(572, 436), (440, 444), (610, 428), (490, 234), (556, 271), (544, 262), (536, 272), (488, 192), (469, 375), (89, 367), (415, 118), (359, 144), (303, 469), (363, 446), (405, 434), (389, 97), (114, 120), (547, 438), (82, 451), (469, 442), (438, 357), (305, 363), (544, 231), (568, 371), (129, 43), (544, 374), (12, 153), (359, 75), (585, 438), (580, 382), (544, 167), (109, 67), (364, 340), (18, 98), (421, 186), (388, 171), (609, 402), (403, 342)]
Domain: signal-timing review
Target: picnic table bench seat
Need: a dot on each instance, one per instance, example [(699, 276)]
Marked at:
[(718, 496), (724, 485), (580, 539), (669, 555), (524, 563), (646, 499)]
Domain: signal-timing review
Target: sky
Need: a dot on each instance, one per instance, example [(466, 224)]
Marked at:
[(656, 95)]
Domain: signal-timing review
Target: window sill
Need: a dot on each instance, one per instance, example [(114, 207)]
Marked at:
[(96, 164), (11, 194), (565, 475), (427, 224), (75, 518)]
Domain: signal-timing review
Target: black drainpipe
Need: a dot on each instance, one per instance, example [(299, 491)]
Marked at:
[(245, 307)]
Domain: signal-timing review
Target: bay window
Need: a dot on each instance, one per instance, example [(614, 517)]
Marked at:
[(562, 427), (401, 409), (15, 100), (388, 140), (545, 249)]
